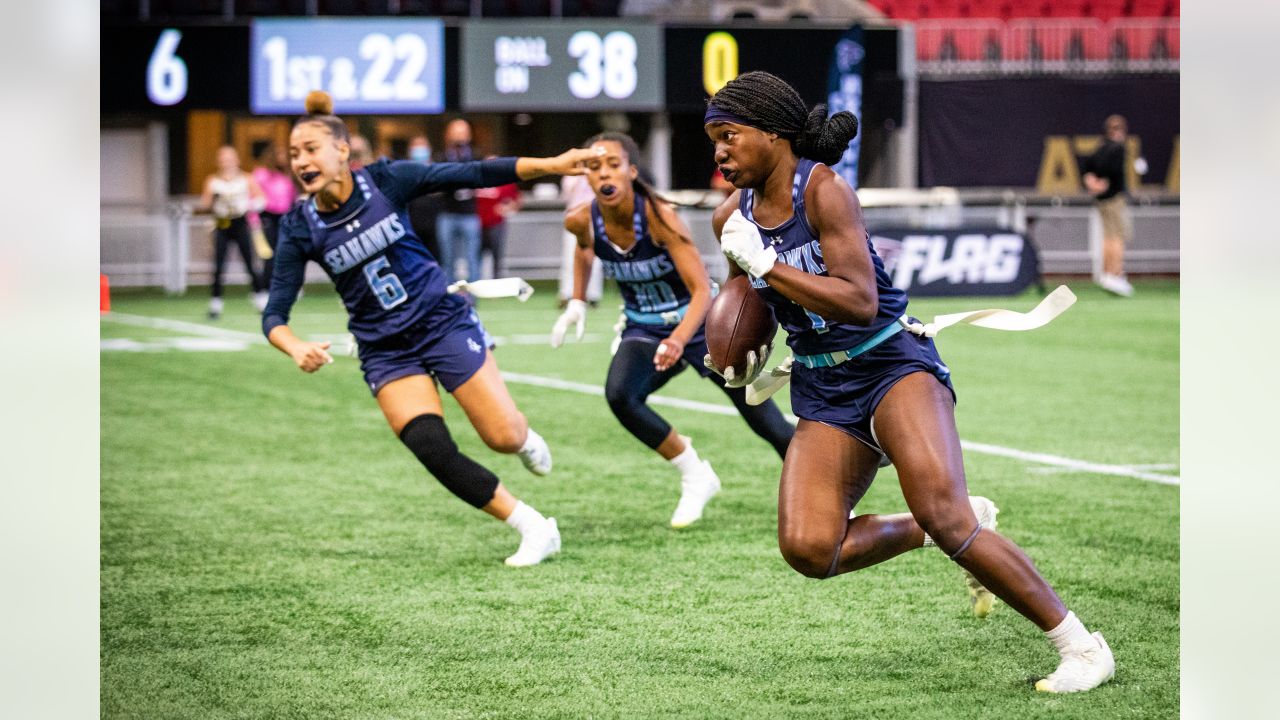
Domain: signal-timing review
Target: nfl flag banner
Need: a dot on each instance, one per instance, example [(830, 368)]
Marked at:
[(959, 261), (844, 92)]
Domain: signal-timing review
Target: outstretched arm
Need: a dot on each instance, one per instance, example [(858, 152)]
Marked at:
[(413, 179), (569, 162)]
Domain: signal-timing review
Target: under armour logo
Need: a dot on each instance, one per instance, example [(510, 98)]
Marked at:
[(353, 226), (473, 346)]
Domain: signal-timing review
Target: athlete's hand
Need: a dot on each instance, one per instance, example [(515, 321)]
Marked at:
[(571, 162), (574, 314), (755, 365), (669, 352), (311, 356), (741, 242)]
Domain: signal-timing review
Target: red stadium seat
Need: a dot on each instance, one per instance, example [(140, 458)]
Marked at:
[(1106, 9), (1148, 8), (1064, 9), (940, 9), (908, 10), (989, 9)]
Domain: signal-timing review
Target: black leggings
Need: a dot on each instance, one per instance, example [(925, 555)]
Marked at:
[(237, 232), (632, 378)]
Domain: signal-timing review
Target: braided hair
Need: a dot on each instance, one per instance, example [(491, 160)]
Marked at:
[(770, 104), (319, 109)]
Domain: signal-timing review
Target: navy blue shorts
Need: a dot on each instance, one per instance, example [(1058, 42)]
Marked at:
[(449, 345), (845, 396), (694, 350)]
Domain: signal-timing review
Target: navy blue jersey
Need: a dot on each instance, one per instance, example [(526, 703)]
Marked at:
[(645, 272), (797, 245), (388, 280)]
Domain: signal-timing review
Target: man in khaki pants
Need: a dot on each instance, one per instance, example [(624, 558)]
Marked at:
[(1105, 177)]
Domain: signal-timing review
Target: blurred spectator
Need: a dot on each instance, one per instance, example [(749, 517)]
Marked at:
[(272, 175), (1104, 176), (231, 194), (361, 152), (424, 209), (494, 205), (457, 225), (574, 191)]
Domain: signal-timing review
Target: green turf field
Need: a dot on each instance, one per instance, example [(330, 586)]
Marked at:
[(270, 550)]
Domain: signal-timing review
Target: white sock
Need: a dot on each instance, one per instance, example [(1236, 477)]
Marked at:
[(688, 461), (531, 442), (525, 519), (1070, 634)]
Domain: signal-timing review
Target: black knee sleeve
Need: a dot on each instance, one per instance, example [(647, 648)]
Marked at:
[(428, 439)]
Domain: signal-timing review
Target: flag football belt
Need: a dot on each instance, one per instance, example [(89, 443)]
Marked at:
[(835, 358), (1053, 305), (670, 317)]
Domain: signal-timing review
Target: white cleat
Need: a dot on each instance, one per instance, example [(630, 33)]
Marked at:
[(1116, 285), (260, 300), (1081, 670), (696, 491), (215, 308), (537, 545), (535, 454), (981, 600)]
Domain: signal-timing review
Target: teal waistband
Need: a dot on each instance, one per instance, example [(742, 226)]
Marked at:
[(670, 317), (839, 356)]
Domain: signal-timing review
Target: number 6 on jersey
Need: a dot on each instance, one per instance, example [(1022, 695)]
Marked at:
[(387, 287)]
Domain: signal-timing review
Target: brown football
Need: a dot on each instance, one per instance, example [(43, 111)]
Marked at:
[(737, 322)]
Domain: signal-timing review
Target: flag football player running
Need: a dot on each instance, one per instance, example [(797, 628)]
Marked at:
[(861, 384), (647, 249), (411, 332)]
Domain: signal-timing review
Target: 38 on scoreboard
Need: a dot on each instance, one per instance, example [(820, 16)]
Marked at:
[(540, 65)]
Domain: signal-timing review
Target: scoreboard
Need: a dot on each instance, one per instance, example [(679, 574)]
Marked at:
[(530, 65)]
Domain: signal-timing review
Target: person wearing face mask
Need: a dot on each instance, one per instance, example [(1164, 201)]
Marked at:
[(413, 335), (458, 225)]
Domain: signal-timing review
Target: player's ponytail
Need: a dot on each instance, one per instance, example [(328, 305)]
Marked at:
[(767, 102), (826, 138), (319, 110)]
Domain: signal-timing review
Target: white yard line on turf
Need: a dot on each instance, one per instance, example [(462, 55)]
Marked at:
[(984, 448), (555, 384), (340, 338), (159, 323)]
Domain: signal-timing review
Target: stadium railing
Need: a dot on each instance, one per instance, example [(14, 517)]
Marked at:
[(170, 247)]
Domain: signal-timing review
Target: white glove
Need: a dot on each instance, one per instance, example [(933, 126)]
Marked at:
[(741, 242), (755, 365), (574, 314), (618, 327), (767, 385)]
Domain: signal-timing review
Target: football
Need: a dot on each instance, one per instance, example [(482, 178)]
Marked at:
[(737, 322)]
